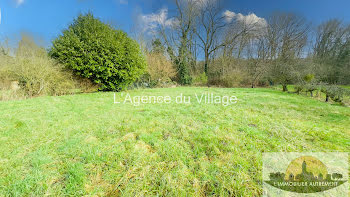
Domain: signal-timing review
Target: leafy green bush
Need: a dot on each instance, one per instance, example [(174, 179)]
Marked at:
[(201, 79), (309, 77), (97, 51)]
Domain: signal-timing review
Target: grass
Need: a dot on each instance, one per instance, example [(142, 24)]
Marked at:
[(347, 87), (86, 145), (317, 94)]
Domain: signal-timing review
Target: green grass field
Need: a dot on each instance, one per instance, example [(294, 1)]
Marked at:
[(86, 145)]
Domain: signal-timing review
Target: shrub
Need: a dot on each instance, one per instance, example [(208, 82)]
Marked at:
[(201, 79), (231, 78), (311, 87), (34, 72), (309, 77), (184, 75), (228, 72), (160, 70), (334, 92), (86, 85), (97, 51), (42, 76), (298, 88)]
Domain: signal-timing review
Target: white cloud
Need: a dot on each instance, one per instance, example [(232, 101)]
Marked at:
[(150, 22), (250, 19), (257, 25), (229, 16), (19, 2)]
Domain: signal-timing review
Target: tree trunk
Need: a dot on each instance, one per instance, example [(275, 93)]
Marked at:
[(311, 94), (206, 62), (285, 88)]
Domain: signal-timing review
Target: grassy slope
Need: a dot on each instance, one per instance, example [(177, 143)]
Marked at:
[(317, 94), (85, 144)]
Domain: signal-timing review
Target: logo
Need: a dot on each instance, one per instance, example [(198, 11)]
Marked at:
[(305, 173)]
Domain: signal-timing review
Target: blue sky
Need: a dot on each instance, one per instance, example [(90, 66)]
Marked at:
[(46, 18)]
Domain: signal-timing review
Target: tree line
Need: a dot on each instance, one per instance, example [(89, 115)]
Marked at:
[(205, 39)]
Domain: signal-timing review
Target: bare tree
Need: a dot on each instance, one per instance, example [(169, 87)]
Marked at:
[(331, 51), (259, 59), (246, 40), (287, 36), (179, 39), (209, 30)]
